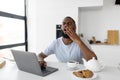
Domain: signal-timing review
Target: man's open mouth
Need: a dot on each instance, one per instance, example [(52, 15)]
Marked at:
[(64, 29)]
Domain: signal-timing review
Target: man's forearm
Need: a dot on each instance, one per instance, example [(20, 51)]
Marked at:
[(87, 53), (41, 56)]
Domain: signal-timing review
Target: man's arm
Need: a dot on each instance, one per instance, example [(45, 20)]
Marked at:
[(87, 53), (41, 57)]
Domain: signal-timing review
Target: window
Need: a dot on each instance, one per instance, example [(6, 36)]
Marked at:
[(13, 26)]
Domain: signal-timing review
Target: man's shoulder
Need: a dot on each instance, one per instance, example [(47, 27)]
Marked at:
[(58, 40)]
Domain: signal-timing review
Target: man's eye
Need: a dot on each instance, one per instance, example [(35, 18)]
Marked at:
[(69, 23), (63, 23)]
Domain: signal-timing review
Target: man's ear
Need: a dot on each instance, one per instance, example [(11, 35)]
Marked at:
[(61, 27)]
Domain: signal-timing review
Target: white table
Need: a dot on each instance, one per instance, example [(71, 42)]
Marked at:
[(11, 72)]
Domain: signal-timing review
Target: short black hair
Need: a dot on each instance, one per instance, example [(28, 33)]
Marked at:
[(71, 19)]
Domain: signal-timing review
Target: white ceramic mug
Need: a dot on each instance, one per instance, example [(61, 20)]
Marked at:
[(72, 64)]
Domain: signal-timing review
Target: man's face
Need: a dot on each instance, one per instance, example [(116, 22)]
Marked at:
[(67, 22)]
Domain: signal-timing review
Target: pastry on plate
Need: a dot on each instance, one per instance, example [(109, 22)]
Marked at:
[(84, 74)]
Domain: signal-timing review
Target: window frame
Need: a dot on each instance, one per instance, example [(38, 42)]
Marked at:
[(10, 15)]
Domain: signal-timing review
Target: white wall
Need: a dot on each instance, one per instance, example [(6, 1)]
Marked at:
[(32, 25), (96, 21), (43, 15)]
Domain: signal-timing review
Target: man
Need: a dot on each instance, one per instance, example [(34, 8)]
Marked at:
[(70, 46)]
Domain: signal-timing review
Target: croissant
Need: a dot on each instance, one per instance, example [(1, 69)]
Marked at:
[(83, 73)]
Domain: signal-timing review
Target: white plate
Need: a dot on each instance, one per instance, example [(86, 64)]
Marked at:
[(78, 78)]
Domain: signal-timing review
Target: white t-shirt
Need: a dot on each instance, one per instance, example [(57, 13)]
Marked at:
[(65, 53)]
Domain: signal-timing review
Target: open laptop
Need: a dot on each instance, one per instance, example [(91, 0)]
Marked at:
[(28, 62)]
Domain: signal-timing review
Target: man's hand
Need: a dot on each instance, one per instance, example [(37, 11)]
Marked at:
[(43, 64), (72, 34), (41, 57)]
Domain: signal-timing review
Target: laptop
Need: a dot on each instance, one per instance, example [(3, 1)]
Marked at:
[(28, 62)]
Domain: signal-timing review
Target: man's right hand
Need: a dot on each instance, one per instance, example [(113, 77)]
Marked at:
[(43, 64), (41, 57)]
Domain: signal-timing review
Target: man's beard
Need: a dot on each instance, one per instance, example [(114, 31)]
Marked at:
[(65, 35)]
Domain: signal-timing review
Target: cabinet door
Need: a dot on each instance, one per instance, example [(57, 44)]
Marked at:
[(113, 37)]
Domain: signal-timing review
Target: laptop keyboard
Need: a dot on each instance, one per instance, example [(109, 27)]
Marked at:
[(43, 68), (46, 71)]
